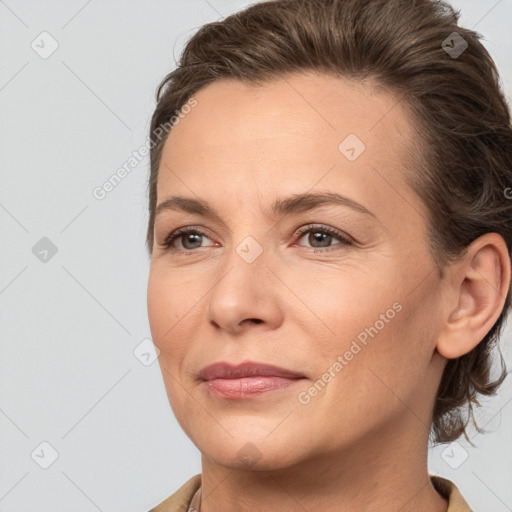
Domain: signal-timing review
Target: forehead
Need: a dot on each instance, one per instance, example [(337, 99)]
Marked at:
[(287, 135), (307, 105)]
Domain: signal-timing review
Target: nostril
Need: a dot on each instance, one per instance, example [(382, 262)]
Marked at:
[(255, 320)]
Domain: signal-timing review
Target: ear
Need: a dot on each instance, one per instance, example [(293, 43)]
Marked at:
[(478, 287)]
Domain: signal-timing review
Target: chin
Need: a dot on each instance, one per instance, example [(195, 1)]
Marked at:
[(255, 453), (249, 458)]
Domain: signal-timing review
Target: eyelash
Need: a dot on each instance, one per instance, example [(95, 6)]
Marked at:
[(167, 243)]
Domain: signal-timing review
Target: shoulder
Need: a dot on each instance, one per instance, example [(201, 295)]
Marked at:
[(447, 489), (180, 500)]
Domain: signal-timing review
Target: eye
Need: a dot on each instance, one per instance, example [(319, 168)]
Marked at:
[(320, 237), (190, 239)]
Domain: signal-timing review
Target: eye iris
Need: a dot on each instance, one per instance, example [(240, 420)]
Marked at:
[(189, 237), (318, 236)]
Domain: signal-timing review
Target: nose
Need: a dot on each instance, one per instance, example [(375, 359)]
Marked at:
[(246, 295)]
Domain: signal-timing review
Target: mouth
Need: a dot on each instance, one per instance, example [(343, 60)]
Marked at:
[(246, 380)]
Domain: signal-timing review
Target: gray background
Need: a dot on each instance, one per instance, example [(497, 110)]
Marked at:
[(70, 324)]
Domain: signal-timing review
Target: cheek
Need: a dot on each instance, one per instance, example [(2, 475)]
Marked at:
[(376, 380), (372, 335), (168, 304), (159, 306), (389, 372), (345, 304), (166, 313)]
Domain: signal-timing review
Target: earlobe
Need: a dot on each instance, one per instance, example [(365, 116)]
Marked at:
[(480, 283)]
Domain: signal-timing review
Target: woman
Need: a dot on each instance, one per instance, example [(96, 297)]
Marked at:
[(330, 239)]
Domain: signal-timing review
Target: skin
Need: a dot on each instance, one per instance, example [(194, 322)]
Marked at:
[(361, 442)]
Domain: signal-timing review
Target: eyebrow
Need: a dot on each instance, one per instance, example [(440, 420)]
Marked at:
[(297, 203)]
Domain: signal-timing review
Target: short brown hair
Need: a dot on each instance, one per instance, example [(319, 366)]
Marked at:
[(463, 146)]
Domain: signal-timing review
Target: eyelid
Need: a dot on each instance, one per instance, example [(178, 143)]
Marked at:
[(344, 237), (175, 234)]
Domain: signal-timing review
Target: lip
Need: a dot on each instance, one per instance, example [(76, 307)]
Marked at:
[(224, 370), (246, 380)]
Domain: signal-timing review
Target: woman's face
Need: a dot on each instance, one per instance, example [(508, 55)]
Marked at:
[(342, 293)]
